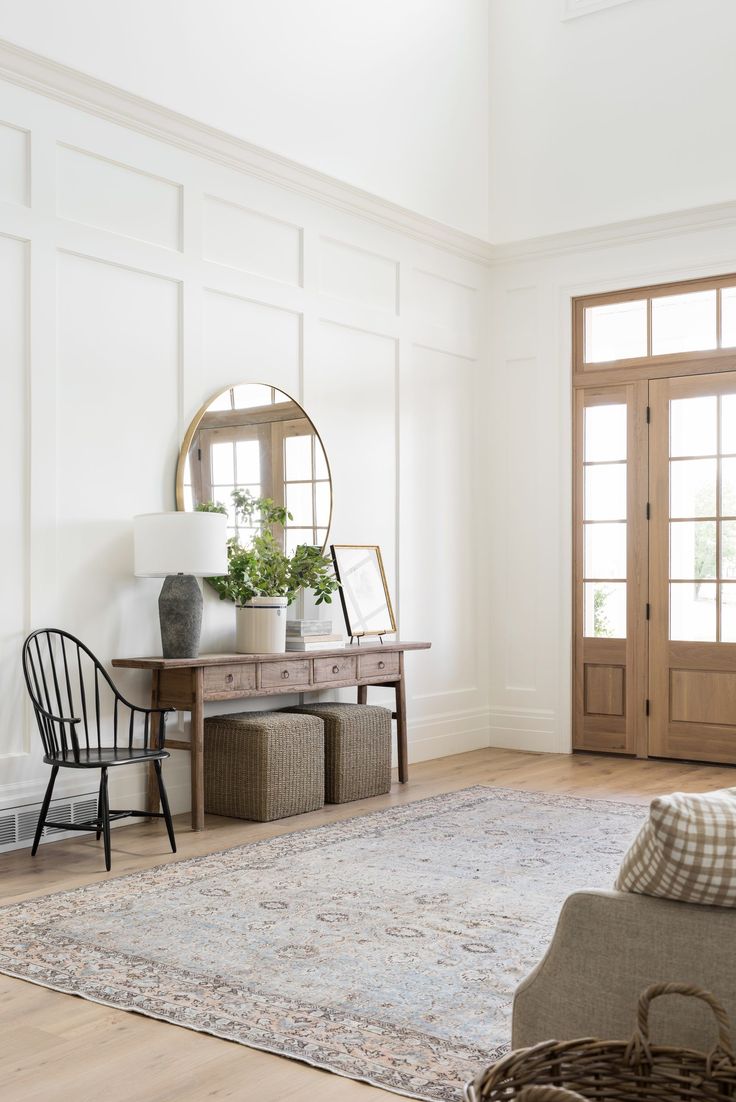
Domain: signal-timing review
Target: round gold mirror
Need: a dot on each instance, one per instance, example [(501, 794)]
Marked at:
[(253, 437)]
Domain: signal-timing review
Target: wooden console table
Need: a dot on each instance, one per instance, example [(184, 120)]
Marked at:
[(186, 683)]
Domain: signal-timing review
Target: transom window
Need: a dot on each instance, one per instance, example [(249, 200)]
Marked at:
[(668, 321)]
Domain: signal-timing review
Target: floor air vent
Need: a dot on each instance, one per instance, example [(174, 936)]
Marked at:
[(18, 824)]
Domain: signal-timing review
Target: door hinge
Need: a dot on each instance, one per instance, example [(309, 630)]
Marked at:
[(649, 414), (646, 707), (648, 610), (649, 511)]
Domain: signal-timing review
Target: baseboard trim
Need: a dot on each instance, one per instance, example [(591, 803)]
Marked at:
[(533, 730)]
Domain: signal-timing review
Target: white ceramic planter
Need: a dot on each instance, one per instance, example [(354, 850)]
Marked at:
[(260, 626)]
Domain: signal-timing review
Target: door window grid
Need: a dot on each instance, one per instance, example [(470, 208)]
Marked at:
[(604, 521), (306, 497), (702, 539)]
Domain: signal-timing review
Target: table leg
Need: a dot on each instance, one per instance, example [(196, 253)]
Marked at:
[(401, 743), (362, 694), (197, 741), (152, 791)]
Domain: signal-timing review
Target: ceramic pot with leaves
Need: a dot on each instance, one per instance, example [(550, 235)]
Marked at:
[(262, 580)]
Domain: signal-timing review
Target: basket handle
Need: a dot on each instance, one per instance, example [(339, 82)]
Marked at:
[(640, 1040), (548, 1094)]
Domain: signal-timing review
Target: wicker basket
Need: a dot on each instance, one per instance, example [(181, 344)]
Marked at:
[(357, 749), (588, 1070), (263, 765)]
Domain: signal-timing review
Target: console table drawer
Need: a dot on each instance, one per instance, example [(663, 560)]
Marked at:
[(290, 675), (334, 669), (378, 665), (229, 679)]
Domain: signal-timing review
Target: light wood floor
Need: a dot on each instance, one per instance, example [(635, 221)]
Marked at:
[(55, 1048)]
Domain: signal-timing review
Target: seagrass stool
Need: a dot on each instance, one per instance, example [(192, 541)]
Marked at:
[(263, 765), (357, 749)]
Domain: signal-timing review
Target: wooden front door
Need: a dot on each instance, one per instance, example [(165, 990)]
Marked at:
[(692, 568), (610, 556)]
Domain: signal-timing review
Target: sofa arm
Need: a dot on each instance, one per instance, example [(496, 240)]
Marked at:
[(609, 946)]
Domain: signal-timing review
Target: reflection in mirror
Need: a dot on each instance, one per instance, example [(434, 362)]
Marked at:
[(255, 437)]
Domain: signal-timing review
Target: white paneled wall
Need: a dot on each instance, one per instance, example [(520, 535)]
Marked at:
[(137, 278)]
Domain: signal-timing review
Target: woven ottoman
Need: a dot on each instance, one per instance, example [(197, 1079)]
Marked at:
[(357, 749), (263, 765)]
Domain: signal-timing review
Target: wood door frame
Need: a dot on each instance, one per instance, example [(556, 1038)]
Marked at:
[(682, 656), (633, 377), (631, 652)]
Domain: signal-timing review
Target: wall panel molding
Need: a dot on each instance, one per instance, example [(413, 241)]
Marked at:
[(67, 85), (116, 197), (15, 164), (127, 338)]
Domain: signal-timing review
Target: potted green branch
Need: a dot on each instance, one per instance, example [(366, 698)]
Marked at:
[(262, 580)]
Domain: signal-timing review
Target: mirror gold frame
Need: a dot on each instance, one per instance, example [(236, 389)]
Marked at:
[(195, 425)]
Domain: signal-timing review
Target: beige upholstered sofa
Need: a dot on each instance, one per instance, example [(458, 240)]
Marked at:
[(607, 947)]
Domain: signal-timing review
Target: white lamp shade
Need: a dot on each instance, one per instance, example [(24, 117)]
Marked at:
[(180, 543)]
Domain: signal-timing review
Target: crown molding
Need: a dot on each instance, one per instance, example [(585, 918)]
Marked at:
[(97, 97), (631, 232), (574, 9)]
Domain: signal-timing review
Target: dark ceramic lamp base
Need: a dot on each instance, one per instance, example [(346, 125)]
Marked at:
[(180, 614)]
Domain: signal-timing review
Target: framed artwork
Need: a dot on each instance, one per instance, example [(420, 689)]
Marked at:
[(363, 591)]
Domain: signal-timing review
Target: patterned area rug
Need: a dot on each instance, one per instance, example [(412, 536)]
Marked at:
[(384, 948)]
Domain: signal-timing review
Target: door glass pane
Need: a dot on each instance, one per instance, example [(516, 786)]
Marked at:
[(299, 503), (693, 487), (693, 611), (728, 549), (605, 610), (248, 459), (728, 613), (605, 433), (605, 551), (616, 332), (694, 426), (298, 457), (693, 549), (250, 395), (605, 492), (323, 498), (684, 323), (320, 460), (222, 458), (728, 487), (728, 317), (728, 424)]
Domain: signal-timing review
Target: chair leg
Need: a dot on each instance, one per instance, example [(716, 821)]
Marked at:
[(44, 809), (99, 811), (105, 818), (165, 805)]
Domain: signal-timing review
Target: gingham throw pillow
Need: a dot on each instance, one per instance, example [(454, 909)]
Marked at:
[(686, 850)]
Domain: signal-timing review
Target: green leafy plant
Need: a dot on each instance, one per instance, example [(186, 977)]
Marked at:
[(261, 568)]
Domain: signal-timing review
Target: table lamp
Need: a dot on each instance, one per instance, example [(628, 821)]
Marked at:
[(180, 547)]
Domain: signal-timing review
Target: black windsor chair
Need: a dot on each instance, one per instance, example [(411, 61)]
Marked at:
[(70, 690)]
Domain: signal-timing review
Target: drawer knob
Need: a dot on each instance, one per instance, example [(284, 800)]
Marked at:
[(381, 665), (285, 675), (335, 669), (229, 679)]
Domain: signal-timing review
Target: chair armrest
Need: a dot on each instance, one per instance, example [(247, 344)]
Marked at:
[(54, 719), (609, 946)]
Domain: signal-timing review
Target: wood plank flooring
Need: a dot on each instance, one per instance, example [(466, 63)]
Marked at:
[(55, 1048)]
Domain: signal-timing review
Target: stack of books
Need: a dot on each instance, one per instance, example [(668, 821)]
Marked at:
[(306, 635)]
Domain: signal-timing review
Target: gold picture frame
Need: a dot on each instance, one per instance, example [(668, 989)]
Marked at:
[(366, 602)]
